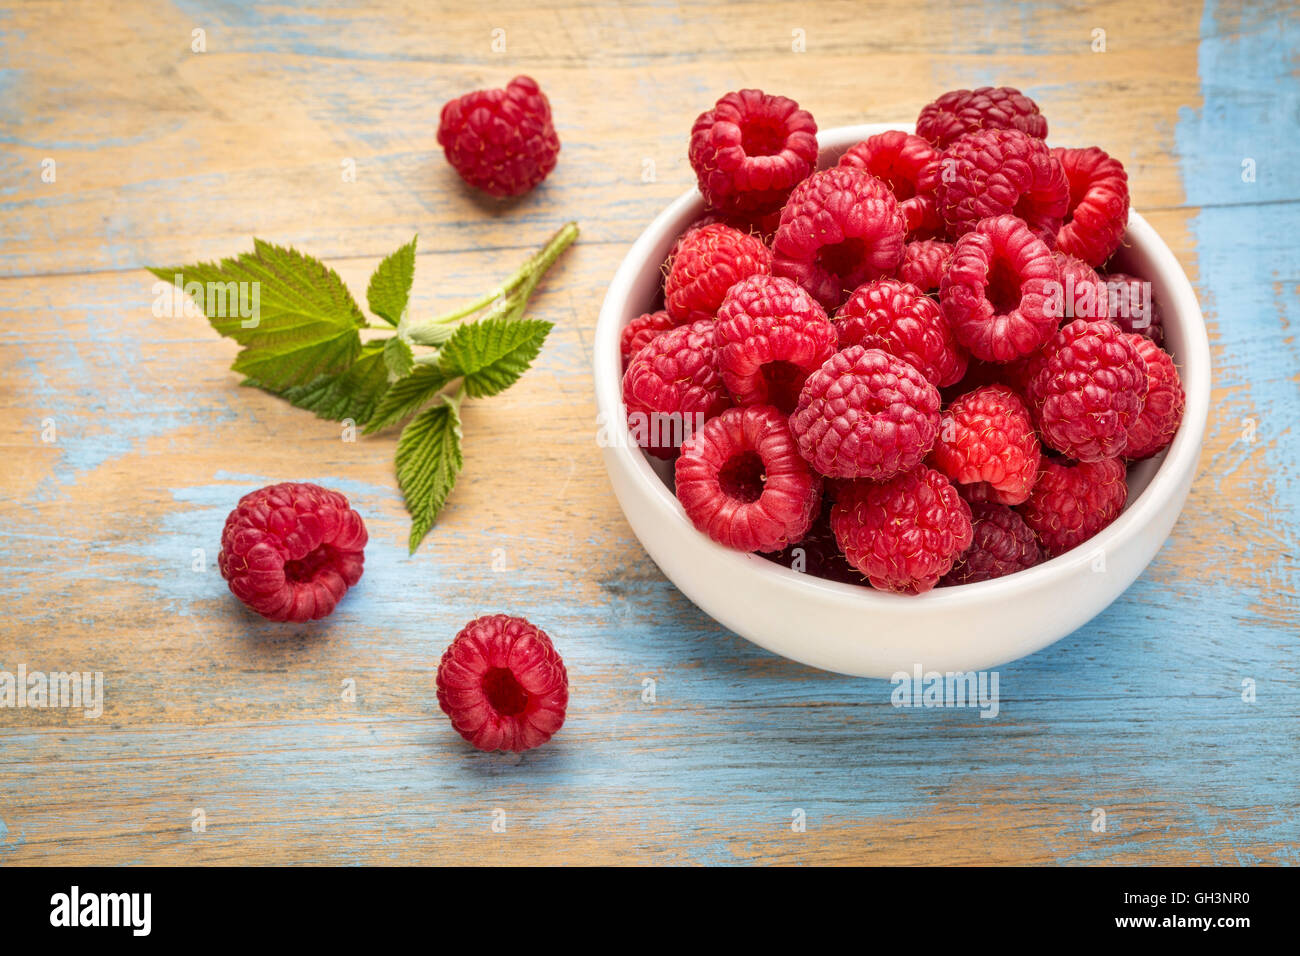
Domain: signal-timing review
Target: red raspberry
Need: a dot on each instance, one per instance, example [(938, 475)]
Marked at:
[(892, 315), (1097, 214), (1162, 412), (1133, 307), (500, 141), (1083, 294), (965, 111), (865, 414), (909, 166), (924, 263), (709, 261), (904, 534), (770, 335), (987, 441), (1072, 502), (817, 553), (642, 330), (1001, 171), (1086, 387), (1001, 544), (503, 684), (741, 481), (672, 387), (291, 551), (840, 228), (996, 293), (750, 150)]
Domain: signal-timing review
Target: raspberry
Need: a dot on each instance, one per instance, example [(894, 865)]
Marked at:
[(1086, 387), (840, 228), (987, 441), (750, 150), (865, 414), (1097, 214), (909, 166), (924, 263), (997, 291), (672, 387), (290, 551), (709, 261), (1155, 426), (1000, 171), (500, 141), (904, 534), (1133, 307), (770, 335), (1083, 294), (817, 553), (1001, 543), (1072, 502), (503, 684), (638, 333), (741, 481), (965, 111), (894, 316)]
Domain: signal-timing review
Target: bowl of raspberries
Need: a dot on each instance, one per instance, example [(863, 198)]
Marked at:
[(883, 397)]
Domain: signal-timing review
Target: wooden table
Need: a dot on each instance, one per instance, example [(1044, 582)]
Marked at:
[(163, 155)]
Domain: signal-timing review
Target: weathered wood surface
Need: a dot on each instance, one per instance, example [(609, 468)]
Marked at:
[(164, 155)]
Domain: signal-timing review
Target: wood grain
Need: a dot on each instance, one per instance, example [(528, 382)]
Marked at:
[(164, 155)]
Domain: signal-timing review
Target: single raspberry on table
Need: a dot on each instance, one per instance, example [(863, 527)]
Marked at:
[(1133, 307), (1001, 544), (866, 414), (817, 553), (996, 293), (503, 684), (1162, 412), (750, 150), (1097, 214), (909, 166), (892, 315), (672, 387), (840, 227), (742, 482), (638, 333), (924, 263), (290, 551), (997, 172), (708, 261), (1083, 293), (770, 335), (1071, 502), (500, 141), (987, 443), (959, 112), (1086, 387), (903, 534)]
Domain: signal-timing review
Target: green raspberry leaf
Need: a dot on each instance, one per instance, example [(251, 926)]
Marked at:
[(352, 394), (428, 460), (405, 396), (390, 286), (398, 356), (292, 313), (493, 353)]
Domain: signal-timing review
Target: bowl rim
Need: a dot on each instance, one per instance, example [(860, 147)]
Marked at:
[(1179, 459)]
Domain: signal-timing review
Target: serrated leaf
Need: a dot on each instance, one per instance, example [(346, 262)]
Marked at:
[(390, 286), (292, 313), (354, 393), (428, 461), (405, 396), (399, 357), (493, 353)]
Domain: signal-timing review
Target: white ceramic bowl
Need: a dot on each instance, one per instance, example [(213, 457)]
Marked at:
[(855, 630)]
